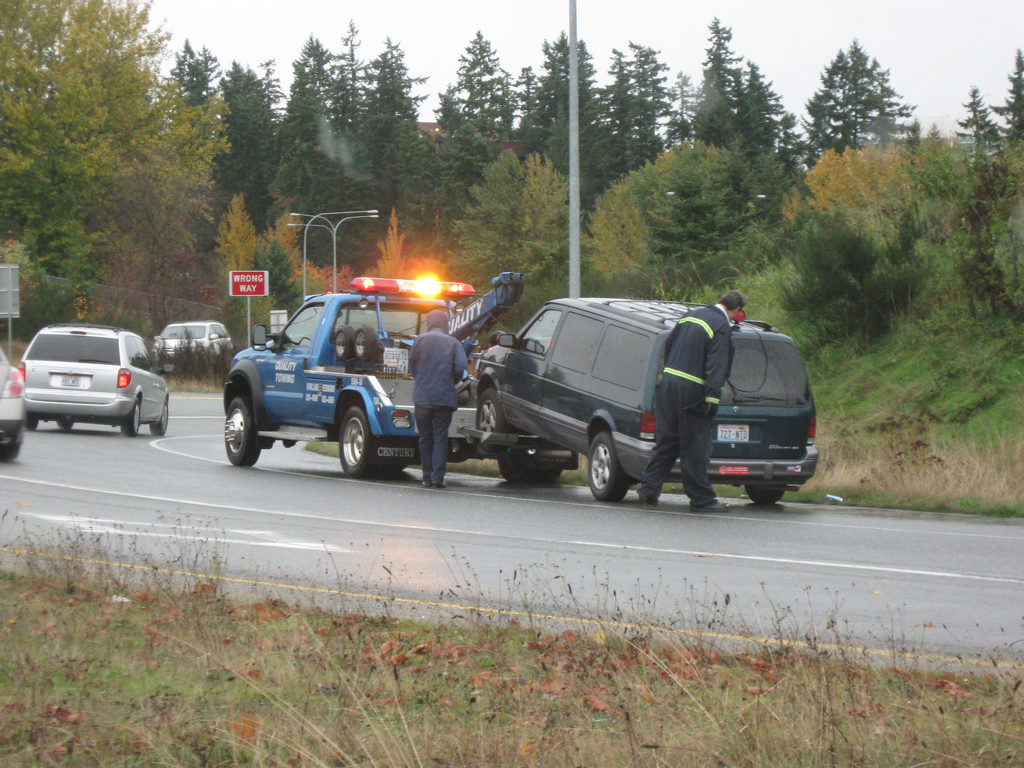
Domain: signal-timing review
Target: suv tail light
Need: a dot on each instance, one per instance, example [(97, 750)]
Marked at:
[(811, 430), (124, 378), (646, 426), (15, 383)]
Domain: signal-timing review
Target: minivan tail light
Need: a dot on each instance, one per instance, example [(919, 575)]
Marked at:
[(646, 426), (811, 430), (124, 378)]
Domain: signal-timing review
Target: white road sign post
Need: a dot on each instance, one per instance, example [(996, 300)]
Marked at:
[(248, 283), (10, 297)]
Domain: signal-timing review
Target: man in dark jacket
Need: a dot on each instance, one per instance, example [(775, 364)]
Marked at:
[(437, 362), (697, 359)]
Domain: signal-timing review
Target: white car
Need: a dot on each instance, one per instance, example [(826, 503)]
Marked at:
[(198, 334), (94, 374), (12, 409)]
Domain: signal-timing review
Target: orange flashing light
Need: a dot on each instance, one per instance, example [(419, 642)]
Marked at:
[(427, 287)]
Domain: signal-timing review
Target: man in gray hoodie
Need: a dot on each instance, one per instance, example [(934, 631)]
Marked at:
[(437, 363)]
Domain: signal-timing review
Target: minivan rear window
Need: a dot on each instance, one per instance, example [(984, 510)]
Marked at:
[(73, 348), (766, 371), (622, 358)]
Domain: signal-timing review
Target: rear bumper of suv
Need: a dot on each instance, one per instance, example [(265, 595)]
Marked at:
[(773, 472), (769, 472)]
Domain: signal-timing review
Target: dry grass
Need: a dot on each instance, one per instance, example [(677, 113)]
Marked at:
[(900, 465), (97, 672)]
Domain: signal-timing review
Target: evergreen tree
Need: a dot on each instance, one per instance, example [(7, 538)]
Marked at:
[(399, 156), (250, 124), (271, 255), (634, 107), (978, 126), (855, 105), (683, 98), (311, 174), (1012, 111), (738, 109), (483, 91), (346, 93), (552, 118), (715, 118), (197, 74), (525, 96)]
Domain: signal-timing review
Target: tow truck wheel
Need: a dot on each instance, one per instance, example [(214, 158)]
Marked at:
[(240, 439), (356, 444), (605, 477)]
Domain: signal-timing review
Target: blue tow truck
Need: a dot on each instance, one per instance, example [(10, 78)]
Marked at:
[(339, 371)]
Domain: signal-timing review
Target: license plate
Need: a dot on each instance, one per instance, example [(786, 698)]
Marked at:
[(734, 433), (71, 381), (397, 359)]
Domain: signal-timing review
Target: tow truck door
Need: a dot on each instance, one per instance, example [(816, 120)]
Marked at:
[(284, 379)]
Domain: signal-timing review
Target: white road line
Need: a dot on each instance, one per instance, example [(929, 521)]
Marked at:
[(1002, 535), (420, 528)]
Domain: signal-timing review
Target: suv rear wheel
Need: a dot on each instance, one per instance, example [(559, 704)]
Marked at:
[(605, 477), (762, 494)]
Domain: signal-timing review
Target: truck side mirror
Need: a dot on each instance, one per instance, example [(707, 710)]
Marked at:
[(259, 335)]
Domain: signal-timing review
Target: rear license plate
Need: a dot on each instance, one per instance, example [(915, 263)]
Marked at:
[(71, 381), (734, 433)]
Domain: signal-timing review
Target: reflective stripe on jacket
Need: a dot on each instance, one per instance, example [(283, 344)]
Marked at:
[(699, 351)]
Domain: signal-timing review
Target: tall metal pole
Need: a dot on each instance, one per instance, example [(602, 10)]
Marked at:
[(574, 158)]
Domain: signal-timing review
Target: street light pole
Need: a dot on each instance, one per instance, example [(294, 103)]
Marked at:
[(333, 227)]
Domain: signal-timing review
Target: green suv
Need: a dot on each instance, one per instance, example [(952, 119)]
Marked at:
[(581, 375)]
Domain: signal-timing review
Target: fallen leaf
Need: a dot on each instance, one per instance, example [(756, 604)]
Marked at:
[(246, 727)]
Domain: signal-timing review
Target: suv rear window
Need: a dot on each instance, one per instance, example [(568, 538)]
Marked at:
[(74, 348), (766, 371)]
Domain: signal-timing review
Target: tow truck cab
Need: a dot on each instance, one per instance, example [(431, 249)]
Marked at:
[(339, 371)]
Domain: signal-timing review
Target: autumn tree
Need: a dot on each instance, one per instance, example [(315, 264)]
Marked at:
[(675, 227), (518, 221), (83, 112)]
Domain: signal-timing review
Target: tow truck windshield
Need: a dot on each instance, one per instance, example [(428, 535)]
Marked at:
[(404, 321)]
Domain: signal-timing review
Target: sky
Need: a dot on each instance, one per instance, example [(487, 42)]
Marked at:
[(934, 50)]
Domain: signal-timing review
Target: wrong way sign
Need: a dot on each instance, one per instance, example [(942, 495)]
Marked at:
[(248, 282)]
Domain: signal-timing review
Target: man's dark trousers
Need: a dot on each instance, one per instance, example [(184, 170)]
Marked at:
[(433, 421), (683, 431)]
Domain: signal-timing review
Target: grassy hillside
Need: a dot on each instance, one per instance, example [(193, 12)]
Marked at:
[(930, 416)]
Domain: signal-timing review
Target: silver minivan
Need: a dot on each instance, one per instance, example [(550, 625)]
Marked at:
[(93, 374)]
